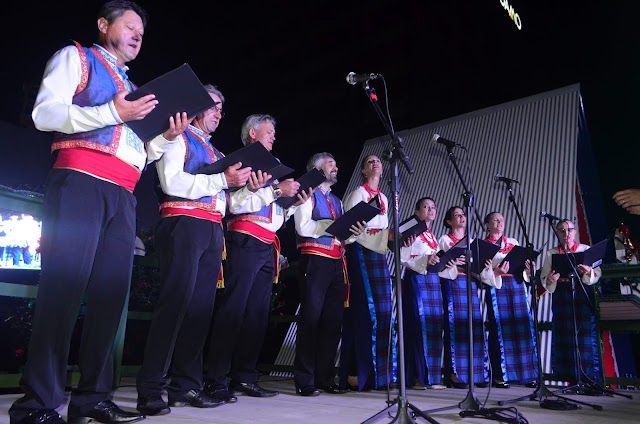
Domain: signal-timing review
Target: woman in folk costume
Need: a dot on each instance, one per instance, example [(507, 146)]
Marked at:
[(512, 338), (563, 348), (368, 357), (456, 332), (422, 304)]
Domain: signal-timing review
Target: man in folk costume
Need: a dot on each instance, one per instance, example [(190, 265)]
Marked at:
[(253, 250), (324, 292)]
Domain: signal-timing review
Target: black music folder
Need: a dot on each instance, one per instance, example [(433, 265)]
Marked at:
[(565, 263), (363, 211), (311, 179), (411, 226), (178, 90), (454, 252), (481, 252), (254, 155), (516, 258)]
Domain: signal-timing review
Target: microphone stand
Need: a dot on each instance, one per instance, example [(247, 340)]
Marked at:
[(470, 405), (396, 154), (542, 394)]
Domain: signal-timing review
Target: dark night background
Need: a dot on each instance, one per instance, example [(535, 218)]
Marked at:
[(439, 59)]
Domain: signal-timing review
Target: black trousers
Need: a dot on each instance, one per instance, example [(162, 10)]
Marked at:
[(190, 254), (88, 237), (320, 321), (242, 312)]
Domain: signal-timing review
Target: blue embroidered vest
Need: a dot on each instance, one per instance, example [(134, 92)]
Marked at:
[(321, 210), (99, 83), (199, 153)]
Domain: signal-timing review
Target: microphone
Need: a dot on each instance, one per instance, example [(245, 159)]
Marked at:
[(450, 144), (545, 214), (354, 78), (499, 178)]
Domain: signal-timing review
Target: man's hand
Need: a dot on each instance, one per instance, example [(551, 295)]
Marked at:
[(289, 187), (177, 126), (303, 196), (629, 200), (237, 176), (135, 110), (257, 180)]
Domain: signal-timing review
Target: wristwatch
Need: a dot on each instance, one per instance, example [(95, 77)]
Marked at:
[(277, 192)]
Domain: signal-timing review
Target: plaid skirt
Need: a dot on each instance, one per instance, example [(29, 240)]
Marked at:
[(563, 336), (368, 334), (457, 329), (514, 342), (423, 319)]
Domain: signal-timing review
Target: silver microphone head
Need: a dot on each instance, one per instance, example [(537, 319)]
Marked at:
[(435, 138)]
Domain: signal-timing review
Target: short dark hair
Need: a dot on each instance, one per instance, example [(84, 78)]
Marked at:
[(113, 9)]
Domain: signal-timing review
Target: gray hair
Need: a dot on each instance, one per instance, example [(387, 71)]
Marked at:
[(254, 121), (214, 90), (317, 160)]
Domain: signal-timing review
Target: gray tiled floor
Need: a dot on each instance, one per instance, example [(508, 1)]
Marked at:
[(441, 406)]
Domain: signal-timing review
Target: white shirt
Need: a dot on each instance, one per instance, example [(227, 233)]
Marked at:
[(376, 241), (54, 111)]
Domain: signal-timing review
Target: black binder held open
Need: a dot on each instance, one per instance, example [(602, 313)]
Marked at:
[(311, 179), (453, 253), (254, 155), (565, 263), (363, 211), (481, 252), (411, 226), (516, 257), (177, 91)]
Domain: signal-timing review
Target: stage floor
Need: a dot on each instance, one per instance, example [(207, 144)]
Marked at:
[(441, 406)]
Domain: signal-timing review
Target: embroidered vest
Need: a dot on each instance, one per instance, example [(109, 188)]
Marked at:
[(98, 84), (199, 153), (321, 210)]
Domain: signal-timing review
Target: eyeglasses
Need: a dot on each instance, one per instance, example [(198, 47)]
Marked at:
[(496, 221), (458, 215), (372, 161), (218, 109)]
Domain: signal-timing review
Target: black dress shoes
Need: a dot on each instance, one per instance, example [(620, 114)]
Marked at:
[(105, 412), (194, 398), (500, 384), (455, 383), (308, 391), (152, 405), (41, 416), (334, 389), (252, 389), (221, 394), (532, 384)]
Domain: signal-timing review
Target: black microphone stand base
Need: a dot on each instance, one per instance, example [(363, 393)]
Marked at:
[(403, 416), (592, 389)]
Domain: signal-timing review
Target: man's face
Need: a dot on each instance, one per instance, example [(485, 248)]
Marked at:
[(330, 170), (122, 37), (265, 134), (209, 120)]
